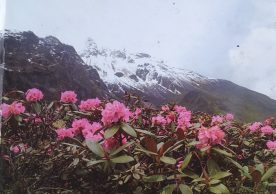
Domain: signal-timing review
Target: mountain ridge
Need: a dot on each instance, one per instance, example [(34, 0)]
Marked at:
[(47, 63)]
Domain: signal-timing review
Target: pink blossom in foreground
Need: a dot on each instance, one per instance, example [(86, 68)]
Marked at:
[(110, 143), (217, 120), (170, 117), (179, 164), (63, 132), (91, 129), (229, 117), (93, 137), (15, 108), (255, 126), (271, 145), (115, 112), (80, 124), (165, 108), (15, 149), (34, 95), (90, 104), (267, 130), (180, 109), (68, 97), (212, 136), (5, 110), (158, 120), (136, 113), (184, 119)]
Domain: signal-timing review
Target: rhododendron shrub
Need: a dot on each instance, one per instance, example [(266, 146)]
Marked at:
[(100, 146)]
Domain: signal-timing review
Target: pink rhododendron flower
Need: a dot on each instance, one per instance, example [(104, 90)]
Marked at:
[(212, 136), (110, 143), (184, 119), (180, 109), (271, 145), (34, 95), (68, 97), (179, 164), (165, 108), (80, 124), (268, 121), (63, 132), (5, 110), (91, 128), (115, 112), (15, 149), (229, 117), (267, 130), (217, 120), (170, 117), (136, 113), (15, 108), (255, 126), (93, 137), (158, 120), (90, 104)]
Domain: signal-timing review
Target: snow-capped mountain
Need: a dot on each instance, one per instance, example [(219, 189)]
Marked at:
[(48, 64), (140, 73), (160, 83)]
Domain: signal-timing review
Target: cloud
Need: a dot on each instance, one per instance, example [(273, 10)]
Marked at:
[(2, 13), (254, 61)]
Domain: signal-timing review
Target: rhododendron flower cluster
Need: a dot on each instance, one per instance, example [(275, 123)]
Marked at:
[(271, 145), (217, 120), (267, 130), (229, 117), (115, 112), (210, 136), (91, 132), (34, 95), (15, 108), (158, 120), (90, 104), (255, 126), (68, 97), (184, 117), (63, 133)]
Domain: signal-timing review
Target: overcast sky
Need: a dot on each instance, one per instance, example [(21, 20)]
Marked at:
[(200, 35)]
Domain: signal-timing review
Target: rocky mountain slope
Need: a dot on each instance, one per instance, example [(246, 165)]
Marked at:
[(159, 83), (48, 64), (52, 66)]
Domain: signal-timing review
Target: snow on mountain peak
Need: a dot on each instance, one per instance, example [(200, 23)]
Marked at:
[(138, 70)]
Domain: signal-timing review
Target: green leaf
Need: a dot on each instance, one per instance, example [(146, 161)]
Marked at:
[(50, 105), (129, 130), (212, 167), (121, 148), (223, 152), (193, 143), (122, 159), (214, 182), (235, 163), (220, 175), (18, 118), (145, 132), (37, 108), (168, 160), (185, 189), (110, 132), (154, 178), (186, 161), (93, 162), (95, 147), (219, 189), (271, 171), (168, 189)]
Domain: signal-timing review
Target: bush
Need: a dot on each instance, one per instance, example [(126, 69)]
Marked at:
[(113, 147)]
